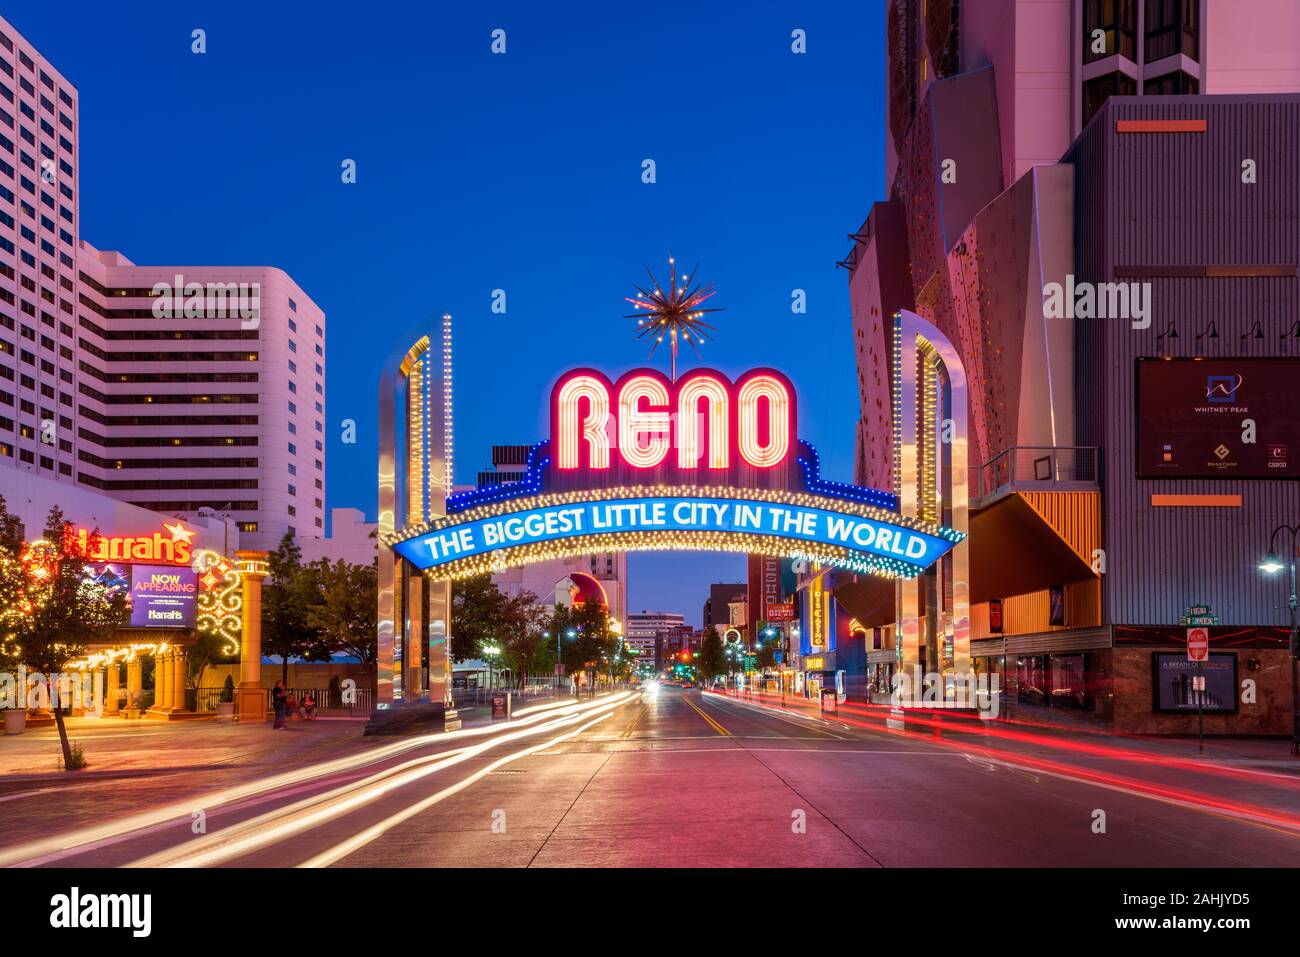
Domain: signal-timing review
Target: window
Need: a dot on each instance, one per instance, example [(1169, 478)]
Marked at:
[(1097, 91), (1173, 26), (1172, 84), (1117, 19)]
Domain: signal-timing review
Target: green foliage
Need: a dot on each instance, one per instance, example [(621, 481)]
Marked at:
[(74, 759), (522, 632), (228, 690), (12, 587), (208, 649), (344, 607), (289, 591), (477, 609), (711, 661), (591, 647)]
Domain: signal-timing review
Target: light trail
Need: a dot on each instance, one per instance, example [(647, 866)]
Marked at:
[(360, 840), (245, 837), (1288, 824), (914, 716), (71, 843)]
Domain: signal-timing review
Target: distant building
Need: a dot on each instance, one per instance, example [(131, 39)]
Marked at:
[(351, 538), (717, 608), (653, 633), (179, 389)]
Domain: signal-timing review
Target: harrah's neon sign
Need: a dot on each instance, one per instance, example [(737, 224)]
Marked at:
[(702, 425), (172, 548)]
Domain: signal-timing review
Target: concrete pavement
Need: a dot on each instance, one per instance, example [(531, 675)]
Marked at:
[(693, 779)]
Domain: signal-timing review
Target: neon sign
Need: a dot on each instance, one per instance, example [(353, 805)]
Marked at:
[(172, 548), (644, 463), (638, 422)]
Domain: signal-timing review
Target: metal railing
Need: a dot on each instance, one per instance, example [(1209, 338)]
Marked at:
[(1034, 465), (482, 697), (359, 701)]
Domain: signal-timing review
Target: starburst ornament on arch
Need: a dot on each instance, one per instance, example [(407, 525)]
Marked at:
[(675, 314)]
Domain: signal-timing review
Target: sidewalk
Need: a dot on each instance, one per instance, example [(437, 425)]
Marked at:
[(118, 748)]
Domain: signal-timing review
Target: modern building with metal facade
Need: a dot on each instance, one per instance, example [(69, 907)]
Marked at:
[(1013, 169)]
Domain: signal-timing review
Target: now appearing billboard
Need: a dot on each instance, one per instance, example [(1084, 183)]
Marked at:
[(163, 596), (1218, 418)]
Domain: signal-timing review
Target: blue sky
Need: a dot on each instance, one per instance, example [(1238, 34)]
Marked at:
[(478, 172)]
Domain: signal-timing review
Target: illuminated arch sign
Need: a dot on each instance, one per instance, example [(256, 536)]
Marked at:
[(643, 463)]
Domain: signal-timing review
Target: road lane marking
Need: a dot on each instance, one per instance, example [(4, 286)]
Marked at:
[(716, 727), (636, 719), (782, 714)]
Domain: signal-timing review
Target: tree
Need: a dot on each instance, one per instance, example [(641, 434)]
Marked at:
[(13, 585), (523, 636), (344, 612), (711, 661), (290, 589), (587, 643), (65, 609), (477, 609), (209, 648)]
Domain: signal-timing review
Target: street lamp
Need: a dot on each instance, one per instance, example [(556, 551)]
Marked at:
[(1271, 565), (490, 652)]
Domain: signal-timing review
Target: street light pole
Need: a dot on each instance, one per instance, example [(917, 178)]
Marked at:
[(1272, 566)]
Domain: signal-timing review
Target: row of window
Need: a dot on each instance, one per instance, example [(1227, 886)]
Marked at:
[(1169, 27)]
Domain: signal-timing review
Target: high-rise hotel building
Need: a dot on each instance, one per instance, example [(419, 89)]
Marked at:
[(176, 388)]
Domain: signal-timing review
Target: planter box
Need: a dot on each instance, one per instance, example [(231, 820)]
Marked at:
[(225, 712), (15, 721)]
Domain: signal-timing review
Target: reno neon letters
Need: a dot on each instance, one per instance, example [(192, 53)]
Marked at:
[(702, 422)]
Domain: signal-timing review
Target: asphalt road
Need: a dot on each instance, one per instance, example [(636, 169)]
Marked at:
[(686, 778)]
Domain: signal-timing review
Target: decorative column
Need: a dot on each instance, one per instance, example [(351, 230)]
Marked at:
[(162, 685), (180, 662), (112, 681), (134, 687), (251, 699), (415, 472)]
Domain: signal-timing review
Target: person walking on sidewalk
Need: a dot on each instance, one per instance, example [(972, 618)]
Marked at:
[(280, 698)]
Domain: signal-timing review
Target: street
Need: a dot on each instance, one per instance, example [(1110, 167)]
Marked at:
[(685, 778)]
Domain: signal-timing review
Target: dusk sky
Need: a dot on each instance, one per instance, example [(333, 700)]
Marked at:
[(477, 172)]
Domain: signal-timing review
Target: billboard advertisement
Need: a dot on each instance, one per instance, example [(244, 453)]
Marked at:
[(1177, 688), (1218, 418), (163, 596)]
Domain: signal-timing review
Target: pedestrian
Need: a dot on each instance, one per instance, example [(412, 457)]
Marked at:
[(280, 698), (307, 707)]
